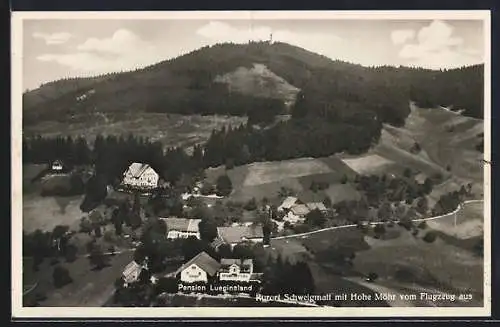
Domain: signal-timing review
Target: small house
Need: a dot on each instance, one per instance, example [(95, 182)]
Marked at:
[(182, 227), (237, 234), (316, 206), (141, 176), (57, 166), (132, 272), (236, 270), (199, 269), (287, 203)]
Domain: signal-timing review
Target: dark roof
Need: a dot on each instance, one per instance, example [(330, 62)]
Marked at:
[(239, 262), (236, 234), (244, 264), (204, 261)]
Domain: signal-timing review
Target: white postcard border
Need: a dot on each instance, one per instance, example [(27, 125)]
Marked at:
[(229, 312)]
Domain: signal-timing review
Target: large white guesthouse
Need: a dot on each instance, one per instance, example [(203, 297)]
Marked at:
[(141, 176)]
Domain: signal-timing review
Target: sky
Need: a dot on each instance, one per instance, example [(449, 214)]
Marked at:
[(58, 48)]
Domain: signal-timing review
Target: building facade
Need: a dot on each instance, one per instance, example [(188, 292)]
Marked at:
[(141, 176), (199, 269), (236, 270)]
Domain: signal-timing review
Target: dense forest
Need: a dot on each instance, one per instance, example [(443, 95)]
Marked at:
[(330, 88)]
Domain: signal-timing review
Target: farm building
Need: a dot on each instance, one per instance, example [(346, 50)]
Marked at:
[(198, 269), (182, 227), (141, 176), (237, 234), (287, 203), (236, 270)]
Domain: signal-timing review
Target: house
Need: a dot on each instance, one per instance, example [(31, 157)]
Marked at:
[(57, 166), (316, 206), (199, 269), (237, 234), (297, 213), (132, 272), (239, 270), (216, 243), (141, 176), (182, 227), (287, 203)]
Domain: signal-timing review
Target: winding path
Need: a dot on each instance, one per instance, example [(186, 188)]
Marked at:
[(377, 223)]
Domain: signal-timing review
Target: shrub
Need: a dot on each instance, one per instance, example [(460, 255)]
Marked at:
[(430, 237), (422, 225), (372, 276), (61, 276), (251, 205), (406, 223), (379, 229)]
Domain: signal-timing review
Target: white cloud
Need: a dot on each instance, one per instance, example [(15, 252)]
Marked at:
[(402, 36), (122, 51), (121, 41), (436, 47), (327, 44), (54, 38)]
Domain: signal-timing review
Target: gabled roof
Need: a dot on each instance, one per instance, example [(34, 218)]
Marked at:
[(136, 169), (204, 261), (316, 205), (182, 224), (239, 262), (245, 265), (236, 234), (129, 270), (216, 242), (288, 202), (300, 210)]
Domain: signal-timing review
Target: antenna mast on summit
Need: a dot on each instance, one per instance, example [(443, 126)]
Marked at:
[(271, 38)]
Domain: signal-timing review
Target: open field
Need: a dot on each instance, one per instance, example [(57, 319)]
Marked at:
[(268, 172), (469, 222), (47, 212), (369, 164), (169, 129), (445, 138), (259, 81), (265, 179), (89, 288), (412, 260)]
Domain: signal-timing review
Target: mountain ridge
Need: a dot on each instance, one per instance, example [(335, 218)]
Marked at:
[(187, 85)]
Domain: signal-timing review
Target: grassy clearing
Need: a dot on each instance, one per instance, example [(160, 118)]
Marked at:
[(170, 129), (369, 164), (265, 179), (437, 264), (88, 289), (47, 212), (448, 139), (268, 172), (469, 222), (259, 81)]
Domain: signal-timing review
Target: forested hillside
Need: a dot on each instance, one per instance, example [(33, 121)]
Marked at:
[(338, 107), (190, 84)]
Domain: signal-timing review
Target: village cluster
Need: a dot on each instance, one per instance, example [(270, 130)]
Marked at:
[(202, 273)]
